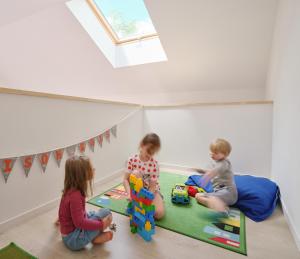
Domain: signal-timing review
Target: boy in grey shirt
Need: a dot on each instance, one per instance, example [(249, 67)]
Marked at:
[(221, 176)]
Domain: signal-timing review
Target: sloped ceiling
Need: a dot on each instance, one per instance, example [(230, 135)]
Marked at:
[(15, 10), (215, 49)]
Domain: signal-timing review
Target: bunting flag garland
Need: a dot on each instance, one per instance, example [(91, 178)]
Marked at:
[(44, 158), (58, 155), (27, 162), (7, 165), (81, 147), (100, 139), (113, 131), (71, 150), (107, 135), (91, 143)]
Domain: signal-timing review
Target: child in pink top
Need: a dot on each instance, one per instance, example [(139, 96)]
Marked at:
[(146, 167), (77, 227)]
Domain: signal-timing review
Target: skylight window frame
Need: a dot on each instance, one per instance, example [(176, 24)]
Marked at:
[(110, 30)]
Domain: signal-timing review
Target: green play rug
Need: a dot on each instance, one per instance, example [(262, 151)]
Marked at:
[(192, 220), (12, 251)]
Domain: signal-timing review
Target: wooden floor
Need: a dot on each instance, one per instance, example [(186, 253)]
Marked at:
[(270, 239)]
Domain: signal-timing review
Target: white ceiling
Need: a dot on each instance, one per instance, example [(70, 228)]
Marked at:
[(15, 10), (214, 48)]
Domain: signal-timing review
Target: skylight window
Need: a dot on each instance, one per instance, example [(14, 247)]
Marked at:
[(111, 23), (124, 20)]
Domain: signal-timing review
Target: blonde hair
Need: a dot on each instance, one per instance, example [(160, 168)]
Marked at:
[(220, 146)]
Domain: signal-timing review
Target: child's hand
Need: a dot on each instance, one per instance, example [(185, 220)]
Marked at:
[(129, 198), (107, 221), (207, 177), (200, 171), (137, 173), (152, 185)]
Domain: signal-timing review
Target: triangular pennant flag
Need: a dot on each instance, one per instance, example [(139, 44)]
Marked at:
[(27, 162), (71, 150), (58, 155), (81, 147), (7, 165), (113, 131), (100, 139), (44, 158), (107, 135), (91, 143)]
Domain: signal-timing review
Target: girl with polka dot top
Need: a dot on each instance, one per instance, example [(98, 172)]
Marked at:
[(143, 165)]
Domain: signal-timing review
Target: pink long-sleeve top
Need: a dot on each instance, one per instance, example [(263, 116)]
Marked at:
[(72, 214)]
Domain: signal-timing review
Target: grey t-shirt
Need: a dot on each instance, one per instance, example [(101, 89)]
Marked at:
[(224, 177)]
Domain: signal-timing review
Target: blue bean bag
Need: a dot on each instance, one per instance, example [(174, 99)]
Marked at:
[(257, 196)]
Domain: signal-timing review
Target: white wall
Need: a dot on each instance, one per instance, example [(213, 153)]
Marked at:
[(187, 132), (284, 82), (33, 124)]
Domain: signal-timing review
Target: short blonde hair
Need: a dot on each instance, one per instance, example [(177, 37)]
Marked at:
[(220, 146)]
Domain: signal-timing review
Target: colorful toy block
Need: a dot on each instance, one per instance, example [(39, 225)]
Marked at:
[(140, 209)]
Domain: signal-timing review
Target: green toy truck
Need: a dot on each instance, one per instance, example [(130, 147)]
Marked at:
[(180, 194)]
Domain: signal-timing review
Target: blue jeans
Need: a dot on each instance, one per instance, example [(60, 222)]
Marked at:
[(79, 238)]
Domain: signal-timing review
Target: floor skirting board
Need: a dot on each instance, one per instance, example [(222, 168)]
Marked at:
[(291, 224)]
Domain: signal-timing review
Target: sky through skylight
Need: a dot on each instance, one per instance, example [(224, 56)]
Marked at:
[(127, 18)]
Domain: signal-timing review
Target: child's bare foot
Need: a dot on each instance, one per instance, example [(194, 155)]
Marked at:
[(107, 221), (211, 202), (217, 204), (103, 237)]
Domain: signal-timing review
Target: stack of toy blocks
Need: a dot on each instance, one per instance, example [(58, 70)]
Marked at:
[(140, 209)]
